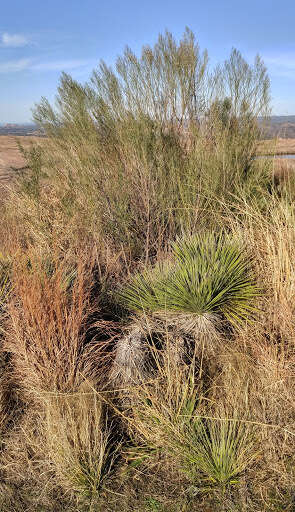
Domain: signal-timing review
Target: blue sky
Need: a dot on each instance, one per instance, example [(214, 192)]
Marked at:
[(40, 39)]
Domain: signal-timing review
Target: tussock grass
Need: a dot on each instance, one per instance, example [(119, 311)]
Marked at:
[(48, 319), (80, 441), (45, 329), (172, 418), (4, 280)]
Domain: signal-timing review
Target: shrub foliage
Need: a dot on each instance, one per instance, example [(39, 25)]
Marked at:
[(208, 275)]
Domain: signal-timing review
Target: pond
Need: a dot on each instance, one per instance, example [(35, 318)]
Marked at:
[(276, 156)]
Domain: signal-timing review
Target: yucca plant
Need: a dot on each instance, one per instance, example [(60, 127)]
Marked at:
[(208, 282), (170, 416), (210, 277), (217, 452)]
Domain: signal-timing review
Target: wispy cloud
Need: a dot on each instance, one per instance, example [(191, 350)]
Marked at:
[(14, 66), (281, 65), (60, 65), (13, 40)]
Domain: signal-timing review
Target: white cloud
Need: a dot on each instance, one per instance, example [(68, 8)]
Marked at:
[(60, 65), (13, 40), (13, 66)]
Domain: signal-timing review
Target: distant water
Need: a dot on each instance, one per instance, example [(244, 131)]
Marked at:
[(275, 156), (284, 156)]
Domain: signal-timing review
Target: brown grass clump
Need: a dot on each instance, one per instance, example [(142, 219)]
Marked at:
[(54, 326), (62, 454), (56, 363), (46, 328)]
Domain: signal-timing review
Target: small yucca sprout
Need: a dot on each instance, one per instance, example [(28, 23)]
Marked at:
[(216, 452), (209, 279)]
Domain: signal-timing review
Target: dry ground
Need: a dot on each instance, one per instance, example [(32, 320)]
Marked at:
[(10, 155), (277, 146), (283, 168)]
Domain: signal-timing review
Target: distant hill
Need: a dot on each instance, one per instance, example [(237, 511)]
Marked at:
[(276, 126), (19, 129), (282, 119), (280, 126)]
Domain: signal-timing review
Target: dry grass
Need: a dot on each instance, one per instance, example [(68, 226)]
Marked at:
[(11, 157), (80, 441), (90, 420), (48, 318), (246, 377), (276, 146)]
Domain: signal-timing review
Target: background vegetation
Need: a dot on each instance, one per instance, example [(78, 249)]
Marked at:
[(147, 296)]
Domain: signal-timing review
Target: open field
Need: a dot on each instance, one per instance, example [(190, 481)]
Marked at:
[(12, 160), (277, 146), (10, 156)]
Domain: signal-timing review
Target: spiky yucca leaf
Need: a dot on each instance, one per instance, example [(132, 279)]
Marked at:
[(210, 275), (142, 293), (217, 451)]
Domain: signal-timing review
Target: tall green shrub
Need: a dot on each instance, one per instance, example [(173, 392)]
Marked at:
[(138, 154)]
